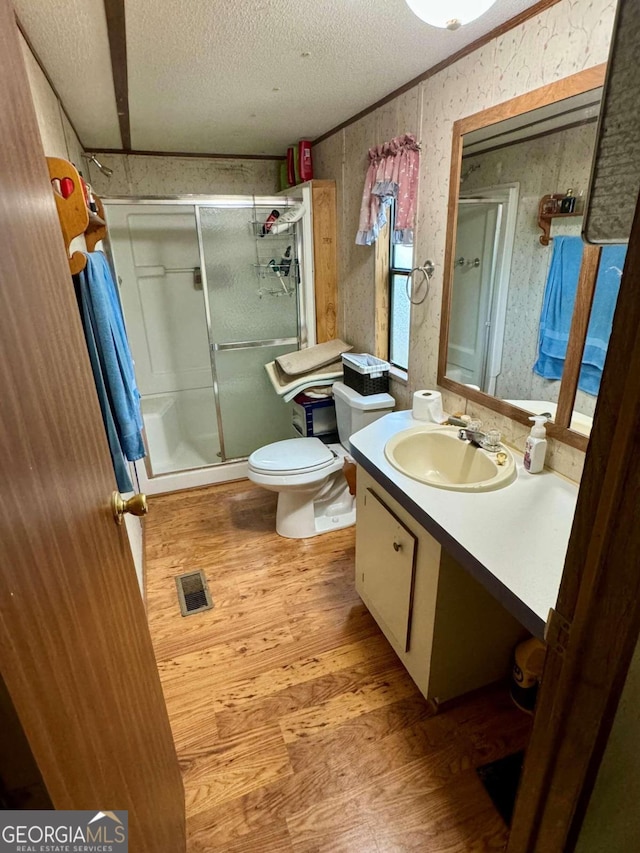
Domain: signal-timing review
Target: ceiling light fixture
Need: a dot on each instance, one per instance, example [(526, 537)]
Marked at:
[(457, 12)]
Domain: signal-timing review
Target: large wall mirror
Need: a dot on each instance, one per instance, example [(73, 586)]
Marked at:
[(527, 306)]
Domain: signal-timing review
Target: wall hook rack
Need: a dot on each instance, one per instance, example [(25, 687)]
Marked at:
[(75, 218)]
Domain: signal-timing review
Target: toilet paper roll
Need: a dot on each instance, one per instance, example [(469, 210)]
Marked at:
[(427, 406)]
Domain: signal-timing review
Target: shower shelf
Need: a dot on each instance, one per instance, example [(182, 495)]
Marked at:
[(257, 227), (269, 271), (289, 292)]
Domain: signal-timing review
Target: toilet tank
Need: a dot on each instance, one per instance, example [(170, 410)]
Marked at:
[(355, 411)]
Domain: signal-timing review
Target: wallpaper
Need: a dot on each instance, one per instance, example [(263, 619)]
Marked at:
[(136, 174), (567, 38), (140, 175)]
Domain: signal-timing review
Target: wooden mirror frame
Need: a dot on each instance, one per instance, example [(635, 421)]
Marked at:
[(576, 84)]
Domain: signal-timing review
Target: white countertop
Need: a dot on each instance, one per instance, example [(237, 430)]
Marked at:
[(512, 539)]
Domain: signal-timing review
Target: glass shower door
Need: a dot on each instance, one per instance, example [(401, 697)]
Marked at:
[(157, 260), (252, 316)]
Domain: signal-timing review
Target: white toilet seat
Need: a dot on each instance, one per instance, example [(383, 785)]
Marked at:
[(291, 457), (280, 463)]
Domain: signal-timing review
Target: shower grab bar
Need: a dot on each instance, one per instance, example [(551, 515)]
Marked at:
[(156, 270), (274, 342)]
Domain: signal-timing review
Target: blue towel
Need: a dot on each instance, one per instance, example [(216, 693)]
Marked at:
[(557, 311), (119, 465), (605, 299), (111, 362)]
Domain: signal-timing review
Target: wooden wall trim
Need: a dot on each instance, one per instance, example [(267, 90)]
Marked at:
[(559, 90), (578, 333), (117, 31), (518, 19), (447, 283), (381, 296), (599, 596), (325, 258)]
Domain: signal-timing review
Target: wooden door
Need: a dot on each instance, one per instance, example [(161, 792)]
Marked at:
[(75, 650)]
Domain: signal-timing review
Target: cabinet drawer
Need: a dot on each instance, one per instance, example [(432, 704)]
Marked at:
[(386, 551)]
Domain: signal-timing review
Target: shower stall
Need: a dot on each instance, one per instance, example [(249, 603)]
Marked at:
[(210, 295)]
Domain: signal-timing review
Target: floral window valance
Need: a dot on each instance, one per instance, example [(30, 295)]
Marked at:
[(392, 175)]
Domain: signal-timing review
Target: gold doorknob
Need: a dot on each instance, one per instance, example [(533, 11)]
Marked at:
[(136, 505)]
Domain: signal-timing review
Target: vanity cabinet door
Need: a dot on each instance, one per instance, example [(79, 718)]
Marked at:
[(450, 633), (386, 551)]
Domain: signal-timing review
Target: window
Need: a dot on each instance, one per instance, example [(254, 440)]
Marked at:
[(400, 265)]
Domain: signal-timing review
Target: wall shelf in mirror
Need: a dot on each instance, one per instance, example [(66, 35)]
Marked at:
[(545, 219), (492, 313)]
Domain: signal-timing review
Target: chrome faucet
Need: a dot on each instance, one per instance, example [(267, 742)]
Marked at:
[(473, 436)]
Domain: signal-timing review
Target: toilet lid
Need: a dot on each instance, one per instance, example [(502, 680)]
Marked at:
[(293, 454)]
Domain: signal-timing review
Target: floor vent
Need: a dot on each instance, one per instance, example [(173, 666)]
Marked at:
[(193, 593)]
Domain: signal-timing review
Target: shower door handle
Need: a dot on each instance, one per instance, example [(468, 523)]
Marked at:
[(273, 342)]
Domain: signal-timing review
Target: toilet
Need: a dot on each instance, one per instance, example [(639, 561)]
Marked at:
[(313, 495)]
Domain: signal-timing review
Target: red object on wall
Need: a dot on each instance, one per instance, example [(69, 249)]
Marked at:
[(304, 156), (66, 187), (291, 168)]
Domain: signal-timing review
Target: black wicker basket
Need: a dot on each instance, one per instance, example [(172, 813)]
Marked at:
[(365, 384)]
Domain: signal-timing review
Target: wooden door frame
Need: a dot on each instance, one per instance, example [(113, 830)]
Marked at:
[(599, 599), (75, 650)]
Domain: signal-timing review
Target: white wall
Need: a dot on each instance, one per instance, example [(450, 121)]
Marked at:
[(566, 38), (612, 822), (140, 175), (58, 137)]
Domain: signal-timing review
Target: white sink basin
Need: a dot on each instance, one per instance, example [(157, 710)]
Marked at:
[(439, 458)]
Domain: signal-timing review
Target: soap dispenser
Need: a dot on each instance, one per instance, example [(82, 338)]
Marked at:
[(535, 446)]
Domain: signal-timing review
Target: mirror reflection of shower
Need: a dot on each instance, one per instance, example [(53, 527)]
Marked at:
[(482, 260), (469, 171)]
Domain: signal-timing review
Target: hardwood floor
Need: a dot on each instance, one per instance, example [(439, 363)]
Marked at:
[(296, 726)]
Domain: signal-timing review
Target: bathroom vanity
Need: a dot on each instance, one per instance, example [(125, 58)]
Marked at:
[(455, 580)]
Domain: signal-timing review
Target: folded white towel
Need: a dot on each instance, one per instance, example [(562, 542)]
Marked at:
[(305, 360), (287, 386)]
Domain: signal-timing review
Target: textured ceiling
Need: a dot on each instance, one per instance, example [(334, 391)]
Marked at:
[(70, 37), (222, 76)]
